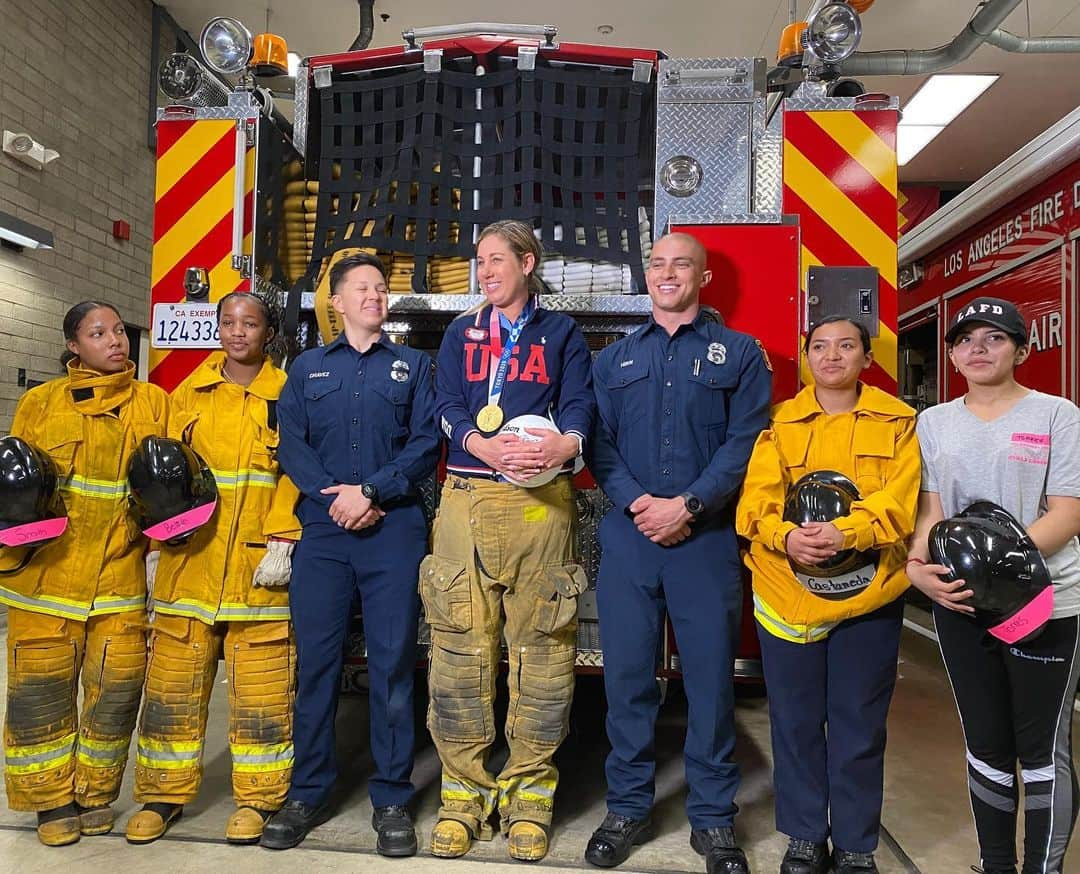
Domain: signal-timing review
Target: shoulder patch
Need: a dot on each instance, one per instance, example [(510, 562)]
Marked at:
[(764, 355)]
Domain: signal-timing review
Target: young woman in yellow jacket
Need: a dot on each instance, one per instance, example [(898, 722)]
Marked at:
[(78, 606), (829, 657), (224, 589)]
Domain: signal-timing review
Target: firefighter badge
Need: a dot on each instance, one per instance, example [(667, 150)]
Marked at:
[(399, 371), (717, 353)]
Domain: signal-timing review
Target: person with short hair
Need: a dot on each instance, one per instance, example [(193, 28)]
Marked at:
[(827, 594), (358, 436), (502, 560), (223, 593), (1018, 448), (681, 401), (77, 605)]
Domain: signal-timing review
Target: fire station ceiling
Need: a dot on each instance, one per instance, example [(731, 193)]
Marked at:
[(1034, 90)]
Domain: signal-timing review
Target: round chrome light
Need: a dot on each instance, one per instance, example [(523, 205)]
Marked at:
[(834, 32), (226, 45), (681, 176), (184, 80)]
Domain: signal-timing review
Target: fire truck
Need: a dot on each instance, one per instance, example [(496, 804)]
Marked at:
[(787, 175), (1012, 234)]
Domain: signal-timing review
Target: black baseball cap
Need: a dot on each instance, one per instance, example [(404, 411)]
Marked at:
[(990, 311)]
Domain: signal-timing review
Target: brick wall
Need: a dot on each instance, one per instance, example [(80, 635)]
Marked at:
[(73, 75)]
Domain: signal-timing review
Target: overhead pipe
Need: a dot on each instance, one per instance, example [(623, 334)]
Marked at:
[(367, 25), (904, 62), (1010, 42)]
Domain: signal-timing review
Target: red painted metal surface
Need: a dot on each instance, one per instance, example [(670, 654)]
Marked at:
[(755, 287)]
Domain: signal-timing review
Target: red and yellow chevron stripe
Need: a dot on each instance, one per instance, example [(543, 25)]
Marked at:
[(193, 223), (840, 179)]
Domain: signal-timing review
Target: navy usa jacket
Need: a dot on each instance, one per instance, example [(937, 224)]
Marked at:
[(352, 418), (550, 371), (678, 413)]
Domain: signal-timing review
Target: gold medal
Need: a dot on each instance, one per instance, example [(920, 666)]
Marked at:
[(489, 418)]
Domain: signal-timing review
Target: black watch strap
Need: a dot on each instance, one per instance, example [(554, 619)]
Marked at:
[(694, 505), (370, 491)]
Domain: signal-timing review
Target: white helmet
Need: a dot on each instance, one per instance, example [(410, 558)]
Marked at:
[(517, 426)]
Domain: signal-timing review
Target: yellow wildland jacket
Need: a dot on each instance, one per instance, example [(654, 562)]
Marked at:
[(234, 429), (875, 446), (89, 424)]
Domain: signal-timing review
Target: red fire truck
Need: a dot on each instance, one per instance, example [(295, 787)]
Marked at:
[(1013, 234), (409, 150)]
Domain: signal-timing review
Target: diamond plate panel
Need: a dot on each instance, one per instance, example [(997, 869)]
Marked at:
[(300, 110), (689, 79), (769, 165), (574, 304), (714, 125)]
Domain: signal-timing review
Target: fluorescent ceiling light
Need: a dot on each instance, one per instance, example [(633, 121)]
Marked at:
[(935, 105), (912, 139), (22, 234), (294, 63), (943, 97)]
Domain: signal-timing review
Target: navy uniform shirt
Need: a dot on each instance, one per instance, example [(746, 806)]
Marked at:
[(549, 373), (678, 413), (350, 418)]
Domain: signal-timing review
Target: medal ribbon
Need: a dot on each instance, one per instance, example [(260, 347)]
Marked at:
[(497, 375)]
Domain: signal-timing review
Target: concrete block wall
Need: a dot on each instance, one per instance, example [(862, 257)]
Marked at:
[(74, 75)]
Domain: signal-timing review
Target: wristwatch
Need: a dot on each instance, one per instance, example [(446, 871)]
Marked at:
[(694, 505), (369, 491)]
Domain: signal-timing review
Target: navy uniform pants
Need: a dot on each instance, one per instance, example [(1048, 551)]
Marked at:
[(699, 583), (330, 566), (840, 687)]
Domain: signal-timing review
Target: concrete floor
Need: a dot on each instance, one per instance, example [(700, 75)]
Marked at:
[(926, 816)]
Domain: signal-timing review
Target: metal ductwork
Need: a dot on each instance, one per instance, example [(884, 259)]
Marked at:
[(983, 28), (1010, 42), (904, 62), (367, 25)]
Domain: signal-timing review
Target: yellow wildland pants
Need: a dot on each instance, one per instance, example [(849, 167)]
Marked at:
[(53, 755), (501, 562), (260, 663)]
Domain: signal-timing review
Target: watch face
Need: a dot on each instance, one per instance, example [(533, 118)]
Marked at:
[(368, 490)]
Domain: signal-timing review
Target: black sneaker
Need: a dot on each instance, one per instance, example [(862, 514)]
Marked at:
[(397, 837), (721, 852), (290, 825), (854, 863), (805, 857), (611, 843)]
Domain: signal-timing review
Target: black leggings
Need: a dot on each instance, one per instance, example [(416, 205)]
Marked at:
[(1016, 703)]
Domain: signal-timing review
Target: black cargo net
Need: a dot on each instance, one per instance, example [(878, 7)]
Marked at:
[(562, 148)]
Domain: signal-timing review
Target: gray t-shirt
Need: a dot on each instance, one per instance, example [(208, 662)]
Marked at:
[(1015, 461)]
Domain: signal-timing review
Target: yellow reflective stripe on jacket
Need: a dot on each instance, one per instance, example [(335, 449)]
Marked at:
[(776, 626), (111, 604), (252, 758), (235, 479), (62, 607), (102, 753), (39, 757), (209, 613), (94, 488), (165, 755)]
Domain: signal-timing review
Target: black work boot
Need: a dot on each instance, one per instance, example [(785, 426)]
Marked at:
[(397, 837), (611, 843), (854, 863), (290, 825), (805, 857), (721, 852)]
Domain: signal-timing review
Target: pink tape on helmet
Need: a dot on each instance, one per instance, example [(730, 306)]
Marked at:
[(1028, 619), (33, 532), (177, 526)]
